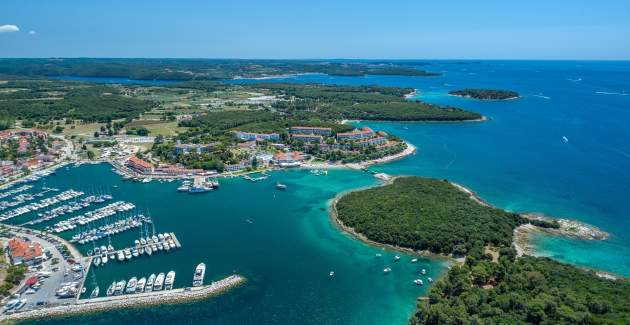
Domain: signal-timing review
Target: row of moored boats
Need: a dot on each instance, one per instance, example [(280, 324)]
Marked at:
[(70, 208), (92, 216), (148, 246), (152, 283), (110, 229), (63, 196)]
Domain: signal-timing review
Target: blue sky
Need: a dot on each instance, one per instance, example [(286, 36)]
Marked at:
[(534, 29)]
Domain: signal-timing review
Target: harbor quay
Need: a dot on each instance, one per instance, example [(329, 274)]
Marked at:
[(126, 301)]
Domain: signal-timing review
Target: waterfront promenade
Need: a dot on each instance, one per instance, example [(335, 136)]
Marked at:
[(132, 300)]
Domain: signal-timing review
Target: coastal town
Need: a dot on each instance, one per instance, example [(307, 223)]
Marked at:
[(44, 272)]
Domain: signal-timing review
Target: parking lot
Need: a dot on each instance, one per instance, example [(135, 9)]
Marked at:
[(51, 273)]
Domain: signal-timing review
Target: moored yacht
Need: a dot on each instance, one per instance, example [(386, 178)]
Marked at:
[(131, 285), (111, 288), (141, 284), (120, 288), (149, 286), (159, 282), (200, 273), (170, 280)]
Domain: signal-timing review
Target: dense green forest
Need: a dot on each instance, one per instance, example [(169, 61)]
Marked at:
[(426, 214), (402, 111), (313, 105), (485, 94), (422, 213), (43, 101), (527, 290), (333, 102), (197, 69)]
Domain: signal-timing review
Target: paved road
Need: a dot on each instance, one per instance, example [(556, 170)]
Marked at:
[(64, 273)]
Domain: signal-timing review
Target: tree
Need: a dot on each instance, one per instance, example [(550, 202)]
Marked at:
[(90, 154)]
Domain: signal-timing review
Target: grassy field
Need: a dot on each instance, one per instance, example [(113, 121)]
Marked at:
[(81, 129), (165, 128)]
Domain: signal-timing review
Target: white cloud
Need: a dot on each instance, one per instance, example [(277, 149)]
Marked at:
[(32, 32), (9, 29)]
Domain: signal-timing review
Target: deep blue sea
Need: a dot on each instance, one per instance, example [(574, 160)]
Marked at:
[(516, 160)]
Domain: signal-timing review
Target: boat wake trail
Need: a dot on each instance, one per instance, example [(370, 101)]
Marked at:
[(447, 166), (611, 93), (541, 96)]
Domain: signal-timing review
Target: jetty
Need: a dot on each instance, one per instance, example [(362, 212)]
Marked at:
[(133, 300)]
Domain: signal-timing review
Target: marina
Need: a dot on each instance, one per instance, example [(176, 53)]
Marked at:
[(25, 197), (126, 259), (151, 245), (15, 191), (110, 229), (198, 185), (92, 216), (70, 208), (61, 197)]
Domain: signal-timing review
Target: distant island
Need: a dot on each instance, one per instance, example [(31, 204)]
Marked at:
[(485, 94), (491, 283)]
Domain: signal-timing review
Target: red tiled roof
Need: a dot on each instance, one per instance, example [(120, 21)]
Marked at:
[(139, 162), (356, 131), (25, 250)]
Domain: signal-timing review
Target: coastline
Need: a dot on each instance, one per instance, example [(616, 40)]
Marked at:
[(174, 296), (410, 150), (332, 205), (521, 234)]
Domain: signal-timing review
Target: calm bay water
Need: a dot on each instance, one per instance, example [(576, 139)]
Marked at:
[(517, 160), (282, 241)]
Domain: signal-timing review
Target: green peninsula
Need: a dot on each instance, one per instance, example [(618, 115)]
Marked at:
[(426, 214), (491, 285), (485, 94)]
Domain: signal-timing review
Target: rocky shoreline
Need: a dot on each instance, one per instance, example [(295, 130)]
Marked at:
[(127, 301)]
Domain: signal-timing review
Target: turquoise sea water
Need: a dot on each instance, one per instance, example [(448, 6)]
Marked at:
[(282, 241), (517, 160)]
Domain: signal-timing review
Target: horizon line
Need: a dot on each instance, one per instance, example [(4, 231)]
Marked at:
[(309, 59)]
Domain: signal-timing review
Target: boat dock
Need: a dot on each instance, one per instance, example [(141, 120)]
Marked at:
[(86, 271), (133, 300), (177, 244)]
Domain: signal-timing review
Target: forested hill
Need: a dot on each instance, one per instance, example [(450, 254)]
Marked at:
[(528, 290), (426, 214)]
